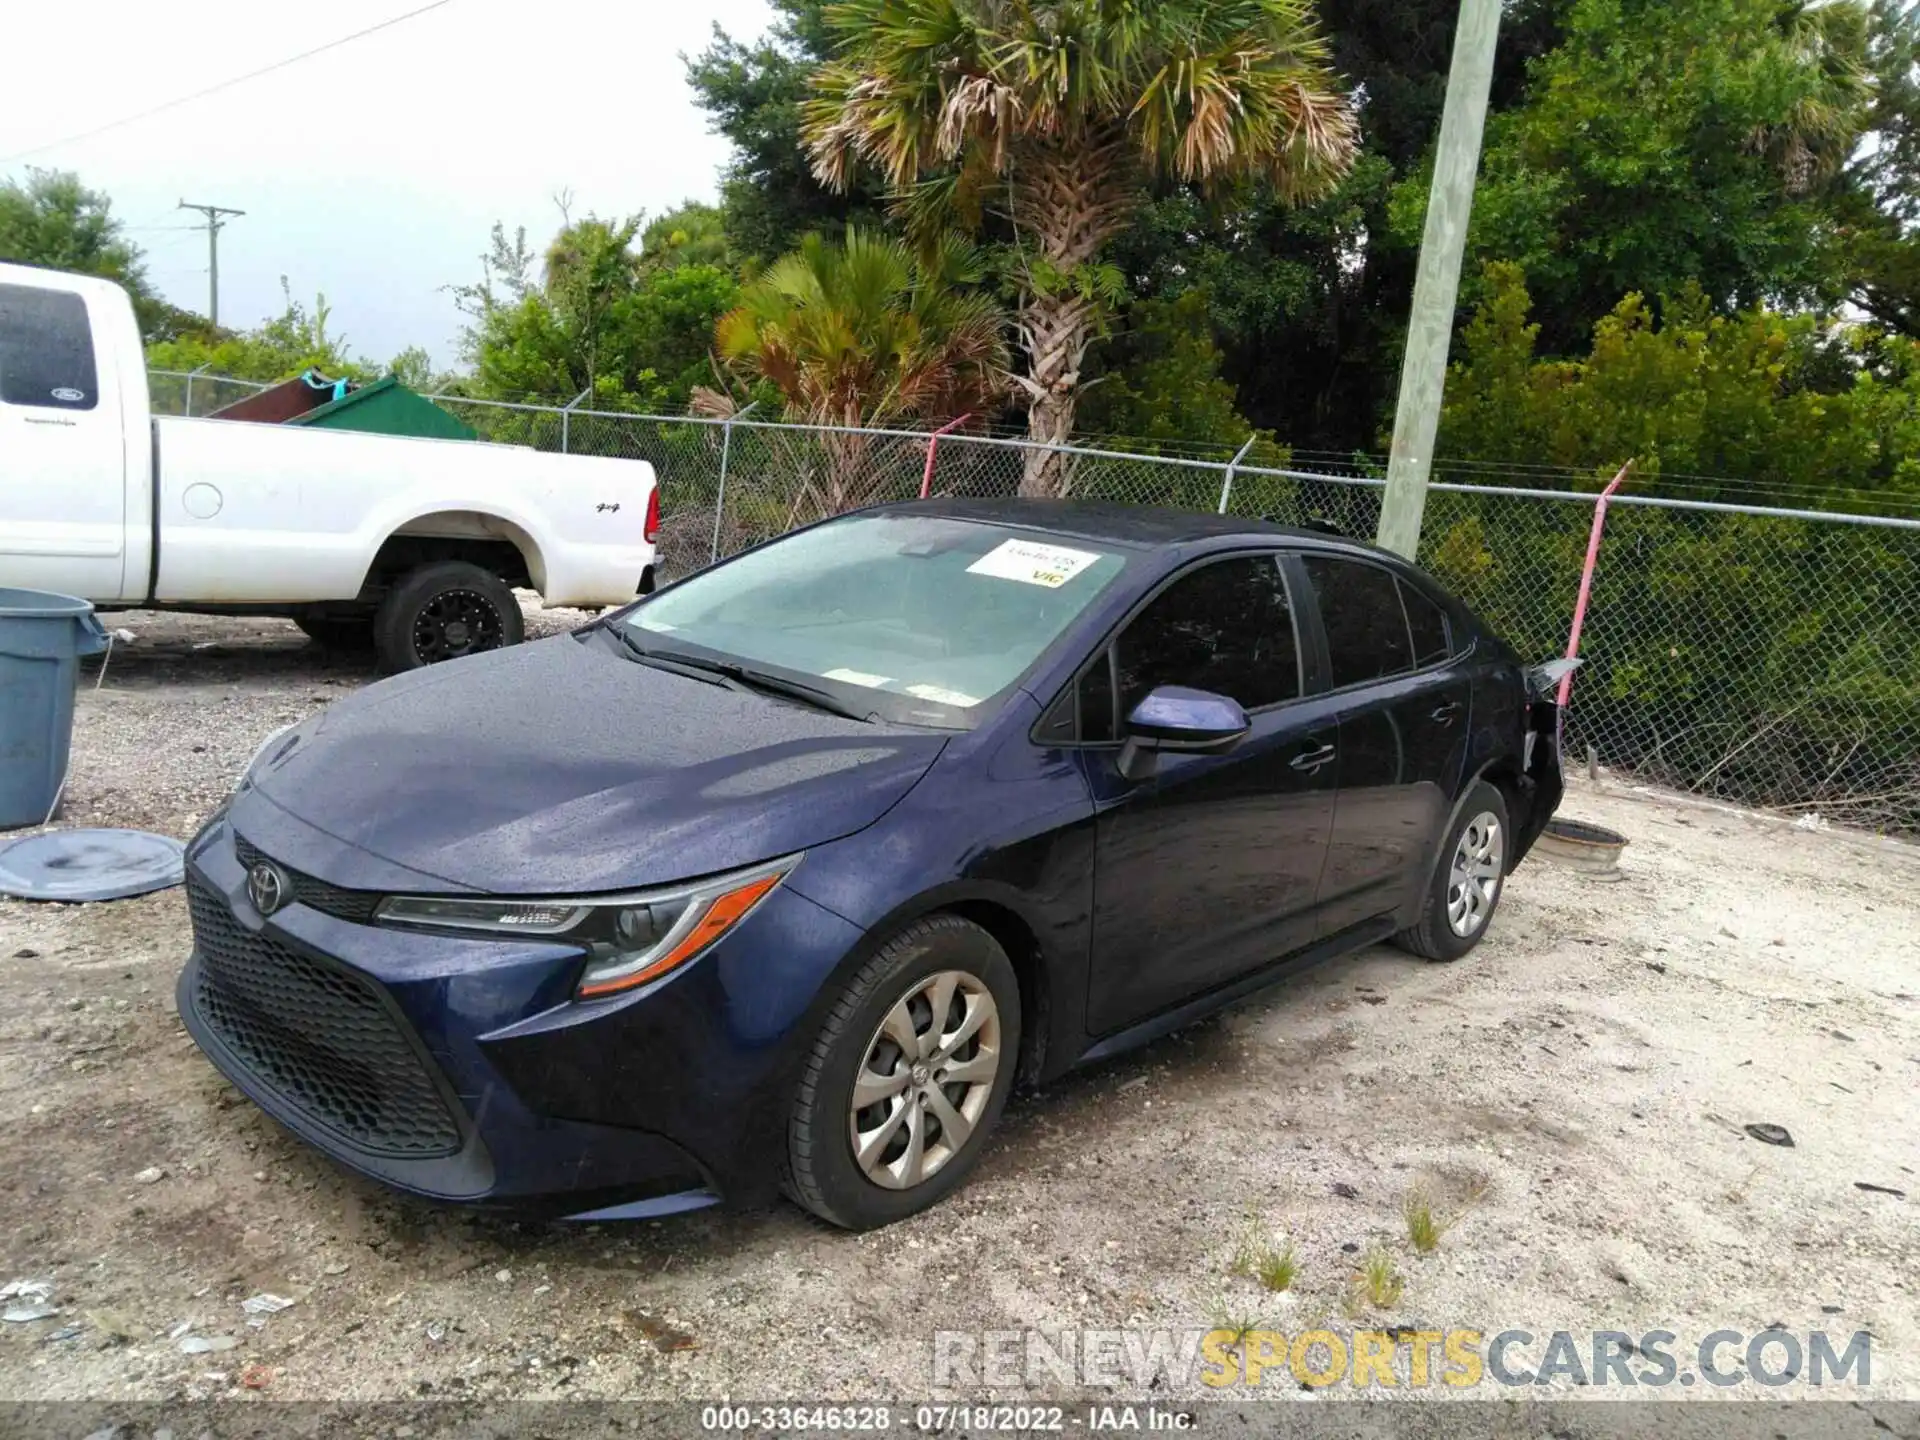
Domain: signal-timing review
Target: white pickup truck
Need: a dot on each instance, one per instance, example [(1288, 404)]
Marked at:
[(409, 545)]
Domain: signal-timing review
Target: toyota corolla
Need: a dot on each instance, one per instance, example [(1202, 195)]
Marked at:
[(783, 877)]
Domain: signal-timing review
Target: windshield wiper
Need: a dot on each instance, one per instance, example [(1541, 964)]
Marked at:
[(671, 664), (750, 679)]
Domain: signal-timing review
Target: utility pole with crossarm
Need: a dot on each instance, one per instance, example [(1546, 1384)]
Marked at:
[(214, 226)]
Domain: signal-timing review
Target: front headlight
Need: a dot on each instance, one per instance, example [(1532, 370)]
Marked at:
[(629, 939)]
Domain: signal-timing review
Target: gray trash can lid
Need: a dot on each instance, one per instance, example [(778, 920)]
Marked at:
[(76, 865)]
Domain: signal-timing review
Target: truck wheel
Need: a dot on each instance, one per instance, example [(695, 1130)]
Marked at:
[(333, 632), (443, 611)]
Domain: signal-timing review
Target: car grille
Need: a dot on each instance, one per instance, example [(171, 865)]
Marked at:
[(355, 905), (321, 1036)]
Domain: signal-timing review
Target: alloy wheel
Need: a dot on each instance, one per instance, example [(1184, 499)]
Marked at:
[(1473, 884), (925, 1079), (456, 622)]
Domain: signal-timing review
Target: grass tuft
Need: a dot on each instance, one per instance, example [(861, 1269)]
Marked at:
[(1423, 1229), (1378, 1285), (1237, 1323), (1275, 1266)]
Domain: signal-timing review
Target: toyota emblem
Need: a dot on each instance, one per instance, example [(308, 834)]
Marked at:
[(266, 887)]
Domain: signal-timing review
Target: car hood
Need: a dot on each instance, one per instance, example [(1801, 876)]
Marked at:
[(564, 767)]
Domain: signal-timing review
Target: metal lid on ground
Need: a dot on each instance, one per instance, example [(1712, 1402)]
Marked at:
[(81, 865)]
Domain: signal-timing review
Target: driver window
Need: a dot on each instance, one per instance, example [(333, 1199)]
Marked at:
[(1226, 627)]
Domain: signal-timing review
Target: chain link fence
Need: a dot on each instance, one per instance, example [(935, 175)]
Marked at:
[(195, 392), (1765, 656)]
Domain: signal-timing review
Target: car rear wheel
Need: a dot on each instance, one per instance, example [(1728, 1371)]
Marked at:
[(444, 611), (1467, 883), (908, 1077)]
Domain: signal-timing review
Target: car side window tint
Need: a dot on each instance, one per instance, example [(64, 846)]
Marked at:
[(1428, 624), (1226, 627), (46, 350), (1096, 703), (1366, 628)]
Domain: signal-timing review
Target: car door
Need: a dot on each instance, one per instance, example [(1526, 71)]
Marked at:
[(62, 454), (1404, 705), (1207, 868)]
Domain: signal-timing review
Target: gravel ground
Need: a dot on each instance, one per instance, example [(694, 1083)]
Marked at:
[(1572, 1097)]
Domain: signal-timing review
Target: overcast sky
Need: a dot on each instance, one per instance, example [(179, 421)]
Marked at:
[(372, 172)]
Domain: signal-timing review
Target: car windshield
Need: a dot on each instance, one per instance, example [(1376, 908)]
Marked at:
[(917, 618)]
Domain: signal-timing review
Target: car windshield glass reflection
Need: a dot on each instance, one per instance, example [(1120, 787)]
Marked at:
[(918, 619)]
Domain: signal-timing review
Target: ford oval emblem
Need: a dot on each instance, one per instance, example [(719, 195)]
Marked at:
[(266, 887), (69, 395)]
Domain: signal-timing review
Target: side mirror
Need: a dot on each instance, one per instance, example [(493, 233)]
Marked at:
[(1174, 719)]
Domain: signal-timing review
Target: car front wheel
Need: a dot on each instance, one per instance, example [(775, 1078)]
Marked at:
[(1465, 889), (907, 1078)]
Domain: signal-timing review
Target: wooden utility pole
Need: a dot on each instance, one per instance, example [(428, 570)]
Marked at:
[(214, 226), (1436, 287)]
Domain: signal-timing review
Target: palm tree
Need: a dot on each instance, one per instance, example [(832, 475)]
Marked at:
[(1825, 44), (862, 334), (1061, 113)]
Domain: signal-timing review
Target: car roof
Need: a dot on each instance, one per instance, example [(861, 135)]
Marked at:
[(1141, 525)]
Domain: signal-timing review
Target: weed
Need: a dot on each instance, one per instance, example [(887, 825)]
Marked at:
[(1259, 1258), (1423, 1229), (1237, 1323), (1378, 1284)]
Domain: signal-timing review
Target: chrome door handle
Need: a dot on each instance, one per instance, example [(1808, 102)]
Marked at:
[(1313, 759), (1444, 714)]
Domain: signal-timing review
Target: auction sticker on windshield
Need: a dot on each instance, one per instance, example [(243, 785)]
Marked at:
[(859, 677), (1032, 563)]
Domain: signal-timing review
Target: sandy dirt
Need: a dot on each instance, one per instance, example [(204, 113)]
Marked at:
[(1572, 1096)]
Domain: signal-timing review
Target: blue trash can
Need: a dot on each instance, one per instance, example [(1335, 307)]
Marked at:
[(42, 637)]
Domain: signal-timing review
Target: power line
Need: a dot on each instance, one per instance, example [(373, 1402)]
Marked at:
[(222, 85)]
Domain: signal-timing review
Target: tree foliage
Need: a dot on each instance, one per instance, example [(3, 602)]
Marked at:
[(861, 334), (1706, 619), (1782, 402), (868, 332), (1064, 114), (754, 93), (1663, 144), (1160, 384), (52, 220), (629, 325), (290, 344)]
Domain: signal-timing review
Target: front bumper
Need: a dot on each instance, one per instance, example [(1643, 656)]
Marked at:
[(460, 1068)]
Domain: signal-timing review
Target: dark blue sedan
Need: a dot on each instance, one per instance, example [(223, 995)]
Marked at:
[(781, 878)]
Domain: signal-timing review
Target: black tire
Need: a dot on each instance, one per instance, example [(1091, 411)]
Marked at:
[(1435, 936), (822, 1172), (336, 632), (442, 612)]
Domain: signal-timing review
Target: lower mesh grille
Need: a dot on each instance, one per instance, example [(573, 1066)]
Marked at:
[(321, 1036)]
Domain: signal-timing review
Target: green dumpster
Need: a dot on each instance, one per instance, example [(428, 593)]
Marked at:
[(386, 407)]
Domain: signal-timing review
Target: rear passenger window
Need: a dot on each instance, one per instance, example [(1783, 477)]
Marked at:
[(46, 350), (1366, 628), (1226, 627), (1428, 625)]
